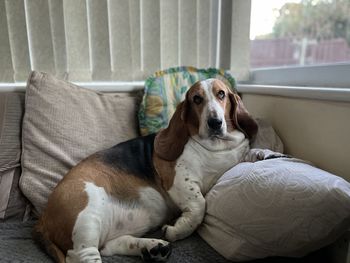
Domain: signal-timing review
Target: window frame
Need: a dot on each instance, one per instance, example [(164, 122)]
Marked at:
[(322, 82)]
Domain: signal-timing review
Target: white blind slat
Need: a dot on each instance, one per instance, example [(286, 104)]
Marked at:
[(6, 68), (17, 30), (119, 34), (225, 34), (39, 35), (213, 33), (58, 37), (240, 43), (77, 40), (169, 33), (99, 39), (203, 33), (135, 38), (150, 36), (188, 32)]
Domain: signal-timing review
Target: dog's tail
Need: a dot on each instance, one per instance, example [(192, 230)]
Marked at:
[(41, 236)]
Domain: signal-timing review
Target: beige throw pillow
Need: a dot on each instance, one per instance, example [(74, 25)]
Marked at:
[(63, 124), (277, 207)]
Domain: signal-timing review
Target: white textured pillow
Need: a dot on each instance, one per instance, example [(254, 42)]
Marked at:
[(63, 124), (277, 207)]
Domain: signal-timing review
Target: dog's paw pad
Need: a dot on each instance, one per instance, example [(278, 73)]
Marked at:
[(159, 252), (165, 251), (260, 156)]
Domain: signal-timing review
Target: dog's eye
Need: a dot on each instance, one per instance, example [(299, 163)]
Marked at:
[(197, 99), (221, 94)]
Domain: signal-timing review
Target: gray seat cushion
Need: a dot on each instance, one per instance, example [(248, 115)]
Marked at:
[(16, 245)]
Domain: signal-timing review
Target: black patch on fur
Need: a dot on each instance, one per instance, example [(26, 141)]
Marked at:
[(133, 157)]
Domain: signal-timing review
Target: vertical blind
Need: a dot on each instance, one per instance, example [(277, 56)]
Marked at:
[(120, 40)]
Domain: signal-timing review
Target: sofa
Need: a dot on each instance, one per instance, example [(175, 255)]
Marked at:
[(18, 161)]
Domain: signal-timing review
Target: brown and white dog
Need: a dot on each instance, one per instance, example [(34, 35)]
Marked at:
[(109, 200)]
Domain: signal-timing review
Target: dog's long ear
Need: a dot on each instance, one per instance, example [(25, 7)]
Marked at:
[(242, 120), (170, 142)]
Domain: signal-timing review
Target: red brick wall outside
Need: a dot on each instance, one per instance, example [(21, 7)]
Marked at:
[(287, 51)]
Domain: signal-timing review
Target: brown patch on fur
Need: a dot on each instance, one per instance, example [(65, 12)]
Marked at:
[(40, 235), (241, 118), (56, 224), (230, 114), (194, 111), (170, 142), (165, 170), (117, 183)]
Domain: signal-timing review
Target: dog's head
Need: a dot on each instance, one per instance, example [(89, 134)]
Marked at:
[(210, 111)]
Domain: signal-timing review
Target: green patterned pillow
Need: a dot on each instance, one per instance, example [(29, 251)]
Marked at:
[(164, 90)]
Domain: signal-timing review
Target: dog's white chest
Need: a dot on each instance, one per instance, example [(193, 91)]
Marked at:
[(204, 167)]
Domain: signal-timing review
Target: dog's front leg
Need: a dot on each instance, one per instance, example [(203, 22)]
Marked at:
[(192, 204)]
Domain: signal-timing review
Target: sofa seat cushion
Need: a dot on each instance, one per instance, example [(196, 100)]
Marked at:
[(63, 124)]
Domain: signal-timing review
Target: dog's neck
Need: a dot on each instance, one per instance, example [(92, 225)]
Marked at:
[(225, 143), (209, 159)]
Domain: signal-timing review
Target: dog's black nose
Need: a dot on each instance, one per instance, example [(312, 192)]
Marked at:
[(214, 124)]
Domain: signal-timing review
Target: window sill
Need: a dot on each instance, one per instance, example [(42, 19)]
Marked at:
[(318, 93)]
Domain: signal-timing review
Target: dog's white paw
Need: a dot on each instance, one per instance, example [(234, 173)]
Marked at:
[(170, 233), (255, 155), (90, 254)]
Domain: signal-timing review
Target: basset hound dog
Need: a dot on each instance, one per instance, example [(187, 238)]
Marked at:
[(107, 202)]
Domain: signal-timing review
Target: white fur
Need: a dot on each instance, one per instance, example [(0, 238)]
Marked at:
[(197, 170), (107, 219)]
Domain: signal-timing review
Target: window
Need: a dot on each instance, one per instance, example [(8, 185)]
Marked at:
[(300, 48), (299, 32)]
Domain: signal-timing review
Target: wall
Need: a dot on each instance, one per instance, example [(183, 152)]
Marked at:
[(314, 130)]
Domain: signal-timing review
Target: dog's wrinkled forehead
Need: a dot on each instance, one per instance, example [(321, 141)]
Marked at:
[(207, 88), (207, 84)]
